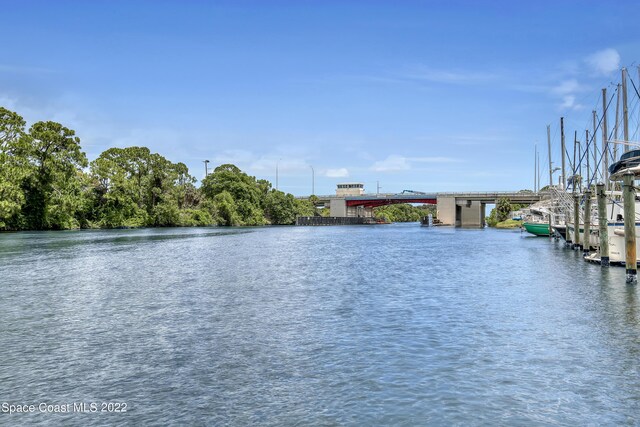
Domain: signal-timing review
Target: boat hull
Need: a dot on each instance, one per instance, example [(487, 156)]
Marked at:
[(561, 230), (594, 235), (537, 229), (615, 232)]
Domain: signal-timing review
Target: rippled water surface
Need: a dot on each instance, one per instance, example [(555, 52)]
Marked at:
[(368, 325)]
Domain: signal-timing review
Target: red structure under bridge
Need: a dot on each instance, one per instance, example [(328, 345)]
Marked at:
[(373, 201)]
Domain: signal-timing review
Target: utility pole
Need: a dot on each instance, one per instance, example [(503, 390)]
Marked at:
[(562, 152), (605, 140), (625, 112), (549, 150), (206, 170)]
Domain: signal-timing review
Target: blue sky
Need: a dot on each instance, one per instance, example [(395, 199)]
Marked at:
[(420, 95)]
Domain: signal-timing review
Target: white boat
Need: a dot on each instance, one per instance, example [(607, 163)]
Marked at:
[(615, 234)]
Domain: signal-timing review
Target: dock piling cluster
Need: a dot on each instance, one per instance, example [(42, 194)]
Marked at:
[(606, 232)]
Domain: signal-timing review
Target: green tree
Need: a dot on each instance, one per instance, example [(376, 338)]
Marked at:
[(138, 188), (43, 186), (247, 193), (12, 168), (503, 209), (306, 207), (55, 158), (402, 212), (11, 129), (280, 208), (226, 209), (119, 173)]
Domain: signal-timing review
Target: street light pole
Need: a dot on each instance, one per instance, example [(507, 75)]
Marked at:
[(206, 170), (313, 181)]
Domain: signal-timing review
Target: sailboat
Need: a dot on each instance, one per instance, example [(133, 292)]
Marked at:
[(537, 221)]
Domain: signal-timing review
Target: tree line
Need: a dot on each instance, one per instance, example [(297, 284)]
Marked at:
[(404, 212), (47, 183)]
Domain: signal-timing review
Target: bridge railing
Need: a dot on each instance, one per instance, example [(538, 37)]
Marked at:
[(442, 194), (490, 193)]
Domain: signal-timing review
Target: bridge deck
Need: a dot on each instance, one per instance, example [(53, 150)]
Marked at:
[(380, 199)]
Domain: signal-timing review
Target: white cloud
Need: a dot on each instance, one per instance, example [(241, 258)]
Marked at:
[(393, 163), (268, 163), (337, 173), (604, 61), (567, 87), (569, 103), (259, 164), (433, 159), (397, 163), (567, 92), (234, 157), (451, 76)]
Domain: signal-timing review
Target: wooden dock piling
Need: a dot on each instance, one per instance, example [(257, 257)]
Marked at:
[(576, 222), (629, 195), (602, 224), (587, 221)]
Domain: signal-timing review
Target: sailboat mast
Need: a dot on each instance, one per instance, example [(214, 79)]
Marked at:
[(562, 152), (575, 165), (549, 151), (580, 158), (535, 168), (616, 127), (538, 156), (605, 138), (625, 112), (595, 148), (586, 154)]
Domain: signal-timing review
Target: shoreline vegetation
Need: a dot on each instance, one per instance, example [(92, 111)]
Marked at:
[(47, 183), (500, 215), (509, 223)]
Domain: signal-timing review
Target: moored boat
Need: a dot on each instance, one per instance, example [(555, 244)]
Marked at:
[(537, 228), (629, 162), (560, 230)]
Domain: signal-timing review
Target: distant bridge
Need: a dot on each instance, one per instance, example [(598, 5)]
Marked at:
[(461, 209)]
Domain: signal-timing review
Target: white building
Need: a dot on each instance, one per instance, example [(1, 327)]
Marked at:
[(350, 189), (339, 207)]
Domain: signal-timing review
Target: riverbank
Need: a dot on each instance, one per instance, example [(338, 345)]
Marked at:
[(510, 223)]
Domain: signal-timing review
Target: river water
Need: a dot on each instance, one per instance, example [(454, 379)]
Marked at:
[(366, 325)]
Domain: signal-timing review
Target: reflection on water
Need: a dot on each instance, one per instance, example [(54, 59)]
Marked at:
[(396, 324)]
